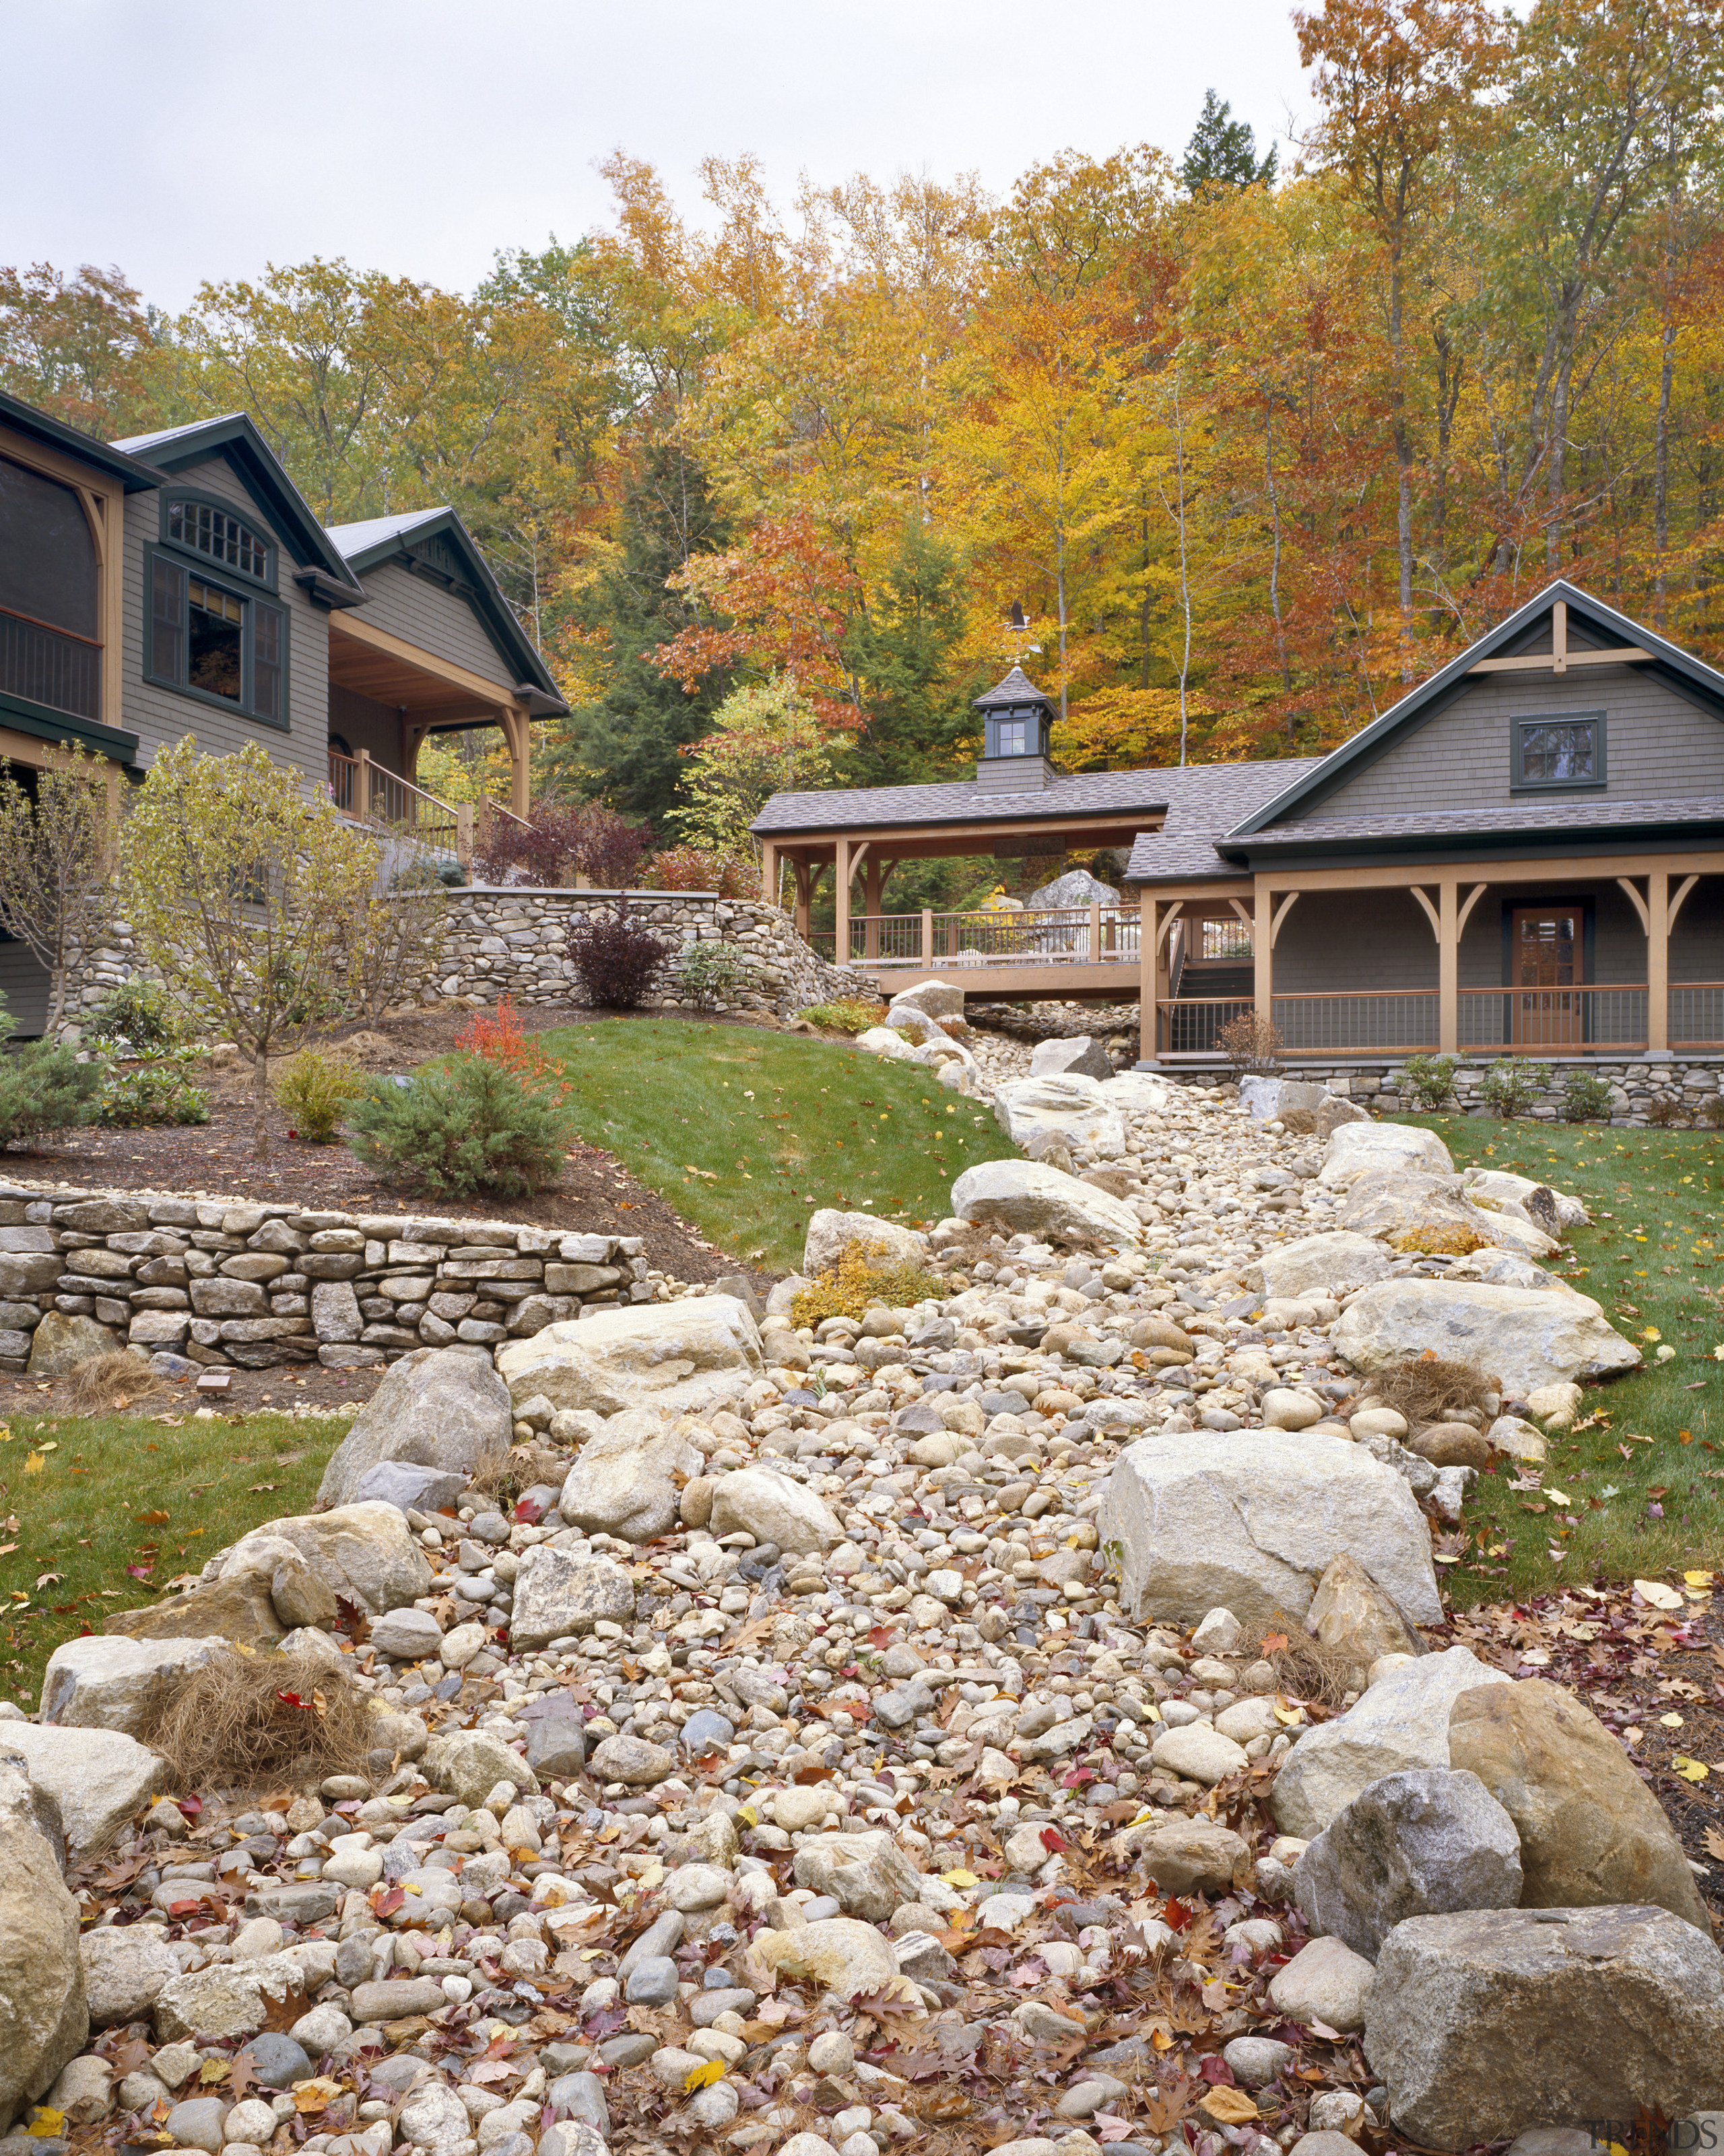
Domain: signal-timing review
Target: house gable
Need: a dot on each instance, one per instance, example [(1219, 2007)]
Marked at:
[(1451, 746)]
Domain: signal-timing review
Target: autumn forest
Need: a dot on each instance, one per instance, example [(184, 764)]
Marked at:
[(1257, 437)]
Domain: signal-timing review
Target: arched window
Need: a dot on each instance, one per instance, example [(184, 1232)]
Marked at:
[(50, 651), (218, 534)]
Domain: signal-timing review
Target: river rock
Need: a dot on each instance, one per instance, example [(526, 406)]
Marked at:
[(560, 1592), (469, 1764), (407, 1636), (444, 1409), (1523, 1338), (1590, 1831), (1402, 1721), (773, 1508), (1197, 1753), (1336, 1261), (1076, 1055), (125, 1968), (228, 1999), (831, 1233), (43, 2019), (1186, 1856), (624, 1480), (686, 1357), (867, 1875), (1325, 1981), (1356, 1149), (1420, 1843), (1067, 1106), (365, 1553), (1483, 2023), (1253, 1519), (840, 1953), (1042, 1201)]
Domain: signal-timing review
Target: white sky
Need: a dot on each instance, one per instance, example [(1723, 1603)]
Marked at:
[(186, 139)]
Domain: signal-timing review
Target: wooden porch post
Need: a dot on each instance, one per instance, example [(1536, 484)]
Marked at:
[(841, 919), (927, 952), (870, 899), (1658, 962), (1147, 923), (361, 785), (1263, 949), (463, 835), (1448, 966), (769, 872), (805, 873), (1094, 932), (517, 733)]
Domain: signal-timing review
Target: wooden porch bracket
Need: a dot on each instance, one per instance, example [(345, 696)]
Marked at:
[(1476, 893), (1281, 912), (1676, 902), (1430, 911), (1635, 899)]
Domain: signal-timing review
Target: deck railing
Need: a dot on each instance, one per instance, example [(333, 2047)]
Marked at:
[(1079, 934), (49, 666), (1553, 1021), (362, 789)]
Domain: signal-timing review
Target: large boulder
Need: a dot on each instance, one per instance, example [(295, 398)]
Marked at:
[(441, 1407), (363, 1553), (773, 1508), (238, 1608), (1252, 1519), (1078, 1056), (831, 1234), (1333, 1263), (1524, 1338), (1073, 1109), (125, 1967), (1042, 1201), (99, 1778), (1402, 1721), (1591, 1830), (624, 1480), (230, 1999), (60, 1344), (1076, 887), (470, 1763), (1498, 1186), (558, 1593), (933, 998), (841, 1954), (44, 2020), (1137, 1093), (1400, 1204), (100, 1683), (1265, 1099), (867, 1875), (681, 1358), (1356, 1149), (1482, 2023), (1420, 1843)]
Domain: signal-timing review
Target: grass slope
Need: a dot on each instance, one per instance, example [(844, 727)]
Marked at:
[(98, 1515), (1644, 1479), (745, 1133)]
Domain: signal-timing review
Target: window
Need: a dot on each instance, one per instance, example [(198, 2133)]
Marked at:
[(1012, 735), (1225, 936), (226, 646), (50, 647), (220, 535), (1563, 755)]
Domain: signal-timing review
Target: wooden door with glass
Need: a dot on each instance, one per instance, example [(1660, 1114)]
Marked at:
[(1546, 955)]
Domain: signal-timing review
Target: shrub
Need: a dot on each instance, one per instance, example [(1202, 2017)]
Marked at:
[(618, 958), (1252, 1044), (159, 1089), (313, 1093), (1510, 1086), (459, 1128), (698, 868), (845, 1015), (865, 1274), (43, 1088), (499, 1038), (1587, 1099), (558, 842), (711, 974), (136, 1018), (1429, 1079), (1709, 1114)]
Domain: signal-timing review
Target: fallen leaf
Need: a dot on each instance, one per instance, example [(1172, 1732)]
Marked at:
[(1229, 2106), (1691, 1770), (46, 2125), (151, 1519), (700, 2077), (33, 1465), (1654, 1591)]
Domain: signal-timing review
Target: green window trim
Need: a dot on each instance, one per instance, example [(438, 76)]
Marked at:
[(169, 579), (219, 536), (1523, 739)]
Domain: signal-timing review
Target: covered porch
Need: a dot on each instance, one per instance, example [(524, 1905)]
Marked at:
[(1553, 958)]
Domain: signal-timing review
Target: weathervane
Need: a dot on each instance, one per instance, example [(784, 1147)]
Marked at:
[(1017, 629)]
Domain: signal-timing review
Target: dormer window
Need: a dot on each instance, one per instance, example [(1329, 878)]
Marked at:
[(219, 535), (1016, 730)]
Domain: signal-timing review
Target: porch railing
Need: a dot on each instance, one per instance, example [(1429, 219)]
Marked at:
[(1081, 935), (1696, 1014), (51, 666), (363, 789), (1402, 1020), (1552, 1021)]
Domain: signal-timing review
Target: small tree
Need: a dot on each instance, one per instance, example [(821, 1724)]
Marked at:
[(56, 865), (766, 738), (249, 896), (395, 941), (1253, 1045)]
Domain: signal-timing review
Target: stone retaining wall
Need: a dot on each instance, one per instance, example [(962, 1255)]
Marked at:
[(219, 1282), (1685, 1083), (513, 940)]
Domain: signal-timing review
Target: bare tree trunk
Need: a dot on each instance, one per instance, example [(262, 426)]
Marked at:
[(260, 1105)]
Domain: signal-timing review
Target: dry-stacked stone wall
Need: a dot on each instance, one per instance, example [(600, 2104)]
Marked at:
[(1641, 1091), (513, 940), (220, 1282)]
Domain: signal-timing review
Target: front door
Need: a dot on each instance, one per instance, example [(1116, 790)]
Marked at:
[(1548, 976)]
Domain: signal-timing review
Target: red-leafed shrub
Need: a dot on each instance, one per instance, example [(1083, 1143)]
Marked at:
[(618, 958), (695, 868), (558, 842)]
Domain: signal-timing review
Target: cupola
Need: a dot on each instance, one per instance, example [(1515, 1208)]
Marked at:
[(1016, 719)]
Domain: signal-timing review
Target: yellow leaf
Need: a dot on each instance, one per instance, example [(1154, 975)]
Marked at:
[(1691, 1770), (1669, 1722), (46, 2125), (49, 1445), (702, 2077), (749, 1815), (1658, 1594), (1287, 1716), (315, 2095), (33, 1465), (1557, 1496), (1698, 1578), (1229, 2106), (1162, 2040), (960, 1878)]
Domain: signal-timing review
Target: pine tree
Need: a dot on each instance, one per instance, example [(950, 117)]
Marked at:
[(1223, 151)]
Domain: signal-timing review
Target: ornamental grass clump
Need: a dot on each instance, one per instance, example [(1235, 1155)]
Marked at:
[(1428, 1387), (461, 1127), (315, 1092), (244, 1720), (865, 1275)]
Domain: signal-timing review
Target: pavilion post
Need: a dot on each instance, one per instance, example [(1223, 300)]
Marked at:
[(1146, 926), (927, 935), (841, 909), (1658, 962), (870, 899), (1094, 932)]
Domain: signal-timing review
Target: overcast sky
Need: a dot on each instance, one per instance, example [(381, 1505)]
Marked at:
[(186, 139)]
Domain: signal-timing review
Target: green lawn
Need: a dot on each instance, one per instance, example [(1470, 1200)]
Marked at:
[(745, 1133), (99, 1516), (1645, 1481)]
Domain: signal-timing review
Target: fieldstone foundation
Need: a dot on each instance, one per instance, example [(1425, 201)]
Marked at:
[(1643, 1090)]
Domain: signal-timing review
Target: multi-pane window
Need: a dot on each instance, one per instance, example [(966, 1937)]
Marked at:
[(1560, 752), (218, 534), (1014, 738), (226, 644)]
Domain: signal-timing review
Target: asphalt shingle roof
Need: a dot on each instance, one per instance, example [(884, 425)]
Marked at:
[(860, 807), (1574, 813), (1207, 800)]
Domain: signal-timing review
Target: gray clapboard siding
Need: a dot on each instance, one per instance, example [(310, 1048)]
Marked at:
[(1659, 746), (24, 979), (424, 614), (366, 724), (160, 717)]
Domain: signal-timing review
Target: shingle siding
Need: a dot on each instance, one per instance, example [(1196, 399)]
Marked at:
[(1659, 745), (160, 717), (422, 613), (366, 724)]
